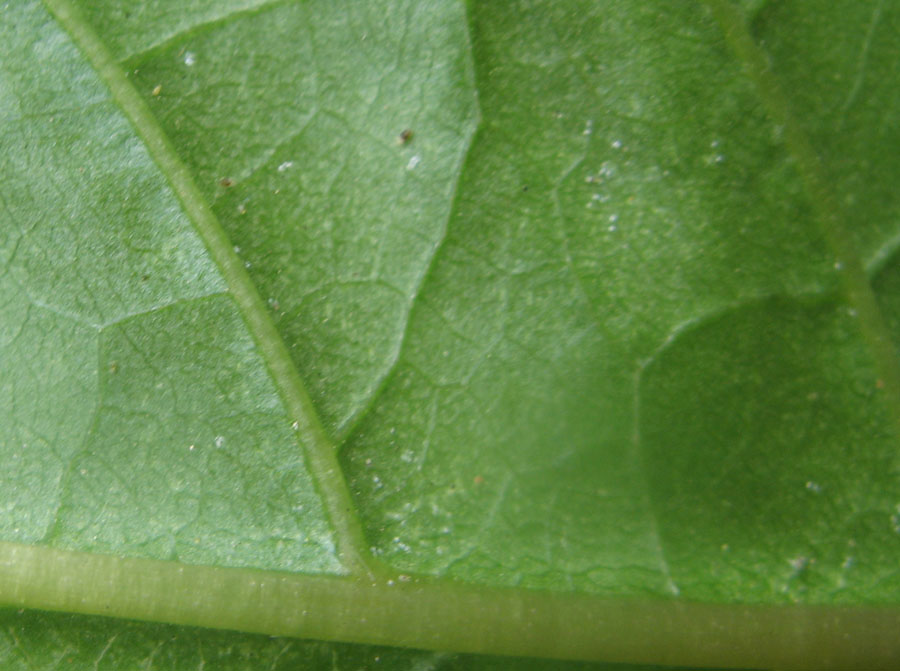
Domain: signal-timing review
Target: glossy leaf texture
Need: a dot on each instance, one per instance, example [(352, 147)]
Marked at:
[(594, 298)]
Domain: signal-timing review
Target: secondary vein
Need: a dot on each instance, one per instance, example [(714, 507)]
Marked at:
[(320, 452), (853, 277)]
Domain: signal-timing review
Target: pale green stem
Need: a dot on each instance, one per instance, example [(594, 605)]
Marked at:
[(441, 615)]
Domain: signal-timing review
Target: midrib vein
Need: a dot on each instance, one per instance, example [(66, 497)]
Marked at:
[(442, 615), (852, 273), (320, 452)]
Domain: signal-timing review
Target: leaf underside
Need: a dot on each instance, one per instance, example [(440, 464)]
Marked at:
[(614, 319)]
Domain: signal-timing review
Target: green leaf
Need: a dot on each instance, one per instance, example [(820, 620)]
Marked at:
[(557, 330)]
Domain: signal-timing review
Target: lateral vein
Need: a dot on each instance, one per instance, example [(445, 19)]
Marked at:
[(852, 274), (320, 452)]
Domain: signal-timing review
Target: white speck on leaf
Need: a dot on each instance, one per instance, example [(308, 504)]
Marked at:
[(413, 162), (284, 166), (190, 58), (799, 563)]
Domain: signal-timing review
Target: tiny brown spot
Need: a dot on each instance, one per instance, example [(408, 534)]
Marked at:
[(478, 480), (879, 383), (226, 182), (405, 136)]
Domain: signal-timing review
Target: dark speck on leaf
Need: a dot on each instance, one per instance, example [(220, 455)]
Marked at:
[(226, 182), (405, 136)]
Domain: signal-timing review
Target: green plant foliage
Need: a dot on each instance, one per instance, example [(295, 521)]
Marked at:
[(34, 640), (551, 314)]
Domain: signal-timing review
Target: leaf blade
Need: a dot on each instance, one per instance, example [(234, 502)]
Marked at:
[(531, 62)]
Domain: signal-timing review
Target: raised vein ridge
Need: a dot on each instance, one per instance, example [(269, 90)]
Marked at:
[(320, 452), (437, 615), (831, 218)]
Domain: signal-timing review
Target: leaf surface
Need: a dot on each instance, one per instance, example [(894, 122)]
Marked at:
[(554, 304)]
